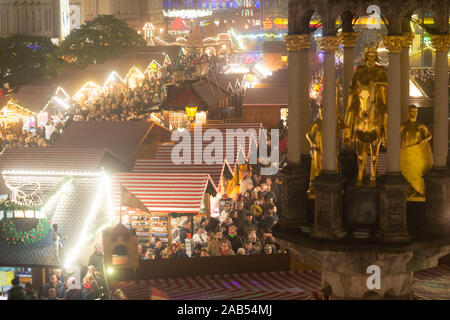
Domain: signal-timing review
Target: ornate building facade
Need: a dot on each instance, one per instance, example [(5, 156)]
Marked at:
[(47, 18)]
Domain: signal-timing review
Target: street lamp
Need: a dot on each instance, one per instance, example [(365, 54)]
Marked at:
[(191, 113)]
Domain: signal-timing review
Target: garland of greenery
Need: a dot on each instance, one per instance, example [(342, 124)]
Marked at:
[(9, 232)]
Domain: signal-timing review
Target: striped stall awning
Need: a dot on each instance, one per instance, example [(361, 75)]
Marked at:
[(158, 166), (164, 193), (432, 284), (290, 285), (382, 163)]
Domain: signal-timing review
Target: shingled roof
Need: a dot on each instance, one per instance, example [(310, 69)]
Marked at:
[(122, 139), (59, 159), (69, 212)]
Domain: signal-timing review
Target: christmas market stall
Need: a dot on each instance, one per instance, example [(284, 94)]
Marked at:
[(245, 139), (59, 201), (15, 117), (169, 199), (219, 173)]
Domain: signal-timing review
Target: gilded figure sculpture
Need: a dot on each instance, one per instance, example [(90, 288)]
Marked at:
[(314, 136), (416, 157), (366, 113)]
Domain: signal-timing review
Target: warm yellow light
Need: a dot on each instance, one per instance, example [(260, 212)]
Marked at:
[(284, 58), (191, 112), (110, 270)]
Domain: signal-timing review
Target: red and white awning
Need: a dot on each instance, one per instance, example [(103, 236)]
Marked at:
[(164, 193), (291, 285), (162, 166)]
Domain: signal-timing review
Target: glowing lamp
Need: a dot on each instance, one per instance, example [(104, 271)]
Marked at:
[(191, 112), (284, 58)]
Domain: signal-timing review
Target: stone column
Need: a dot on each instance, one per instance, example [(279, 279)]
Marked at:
[(329, 44), (298, 121), (296, 174), (348, 40), (437, 180), (440, 118), (393, 189), (404, 58), (328, 207)]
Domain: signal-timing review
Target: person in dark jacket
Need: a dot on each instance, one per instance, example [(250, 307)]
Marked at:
[(96, 259), (244, 228), (235, 240), (16, 292), (54, 284), (30, 293), (159, 247), (184, 231)]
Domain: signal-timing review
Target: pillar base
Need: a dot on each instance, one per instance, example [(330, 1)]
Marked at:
[(437, 205), (348, 164), (345, 275), (392, 215), (294, 198), (328, 208)]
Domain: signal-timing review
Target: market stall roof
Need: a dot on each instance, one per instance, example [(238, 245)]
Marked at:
[(13, 109), (121, 138), (216, 171), (164, 193), (69, 211), (178, 25), (291, 285), (248, 135), (279, 76), (266, 97), (204, 94), (59, 159), (34, 97)]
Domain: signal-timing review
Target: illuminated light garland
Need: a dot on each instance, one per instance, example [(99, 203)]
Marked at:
[(52, 173), (112, 77), (187, 14), (87, 86)]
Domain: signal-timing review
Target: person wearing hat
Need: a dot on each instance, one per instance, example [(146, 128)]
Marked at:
[(16, 292), (246, 225)]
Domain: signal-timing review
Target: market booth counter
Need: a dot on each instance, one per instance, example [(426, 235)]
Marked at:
[(168, 199)]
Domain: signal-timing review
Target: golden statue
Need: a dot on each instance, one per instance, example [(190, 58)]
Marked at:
[(416, 157), (366, 113), (314, 136)]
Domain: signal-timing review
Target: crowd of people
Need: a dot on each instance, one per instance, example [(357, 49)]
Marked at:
[(242, 227), (117, 102), (59, 288)]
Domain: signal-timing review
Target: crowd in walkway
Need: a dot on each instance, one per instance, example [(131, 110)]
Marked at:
[(242, 227)]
